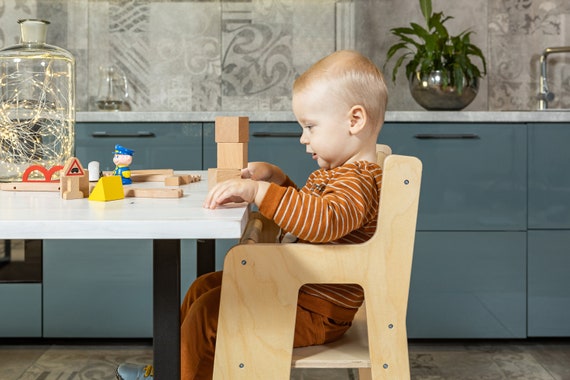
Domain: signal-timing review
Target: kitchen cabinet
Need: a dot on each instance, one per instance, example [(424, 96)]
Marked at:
[(549, 231), (469, 269), (493, 227)]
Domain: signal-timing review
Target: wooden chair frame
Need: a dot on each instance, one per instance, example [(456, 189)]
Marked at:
[(261, 283)]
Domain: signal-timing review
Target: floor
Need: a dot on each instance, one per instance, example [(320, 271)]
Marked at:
[(457, 360)]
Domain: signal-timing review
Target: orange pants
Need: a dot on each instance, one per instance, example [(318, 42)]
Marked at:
[(199, 323)]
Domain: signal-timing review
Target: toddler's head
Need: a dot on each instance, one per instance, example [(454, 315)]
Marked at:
[(353, 80)]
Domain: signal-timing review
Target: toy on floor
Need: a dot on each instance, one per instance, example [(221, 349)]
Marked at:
[(123, 159)]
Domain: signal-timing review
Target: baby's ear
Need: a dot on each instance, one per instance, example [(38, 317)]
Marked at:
[(358, 118)]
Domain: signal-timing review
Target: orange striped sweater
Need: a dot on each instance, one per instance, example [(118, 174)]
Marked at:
[(336, 206)]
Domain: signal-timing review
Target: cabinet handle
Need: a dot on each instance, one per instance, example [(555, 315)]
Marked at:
[(448, 136), (277, 134), (117, 135)]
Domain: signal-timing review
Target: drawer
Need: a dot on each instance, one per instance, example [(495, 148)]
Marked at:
[(474, 175)]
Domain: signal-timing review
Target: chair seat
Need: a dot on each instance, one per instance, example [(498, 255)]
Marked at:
[(350, 351)]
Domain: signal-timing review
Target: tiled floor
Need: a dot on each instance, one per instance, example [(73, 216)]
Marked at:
[(449, 360)]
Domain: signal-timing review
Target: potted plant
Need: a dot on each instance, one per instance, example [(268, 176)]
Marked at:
[(439, 66)]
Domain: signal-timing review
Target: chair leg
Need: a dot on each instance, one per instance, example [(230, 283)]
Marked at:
[(365, 374)]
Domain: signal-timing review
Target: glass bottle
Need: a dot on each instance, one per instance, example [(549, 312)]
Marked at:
[(37, 103)]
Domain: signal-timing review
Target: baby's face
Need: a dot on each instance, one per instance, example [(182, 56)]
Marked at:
[(122, 159), (326, 124)]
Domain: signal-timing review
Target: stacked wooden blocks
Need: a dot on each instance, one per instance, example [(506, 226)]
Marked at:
[(232, 136)]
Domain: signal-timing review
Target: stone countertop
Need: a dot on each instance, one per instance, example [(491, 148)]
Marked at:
[(549, 116)]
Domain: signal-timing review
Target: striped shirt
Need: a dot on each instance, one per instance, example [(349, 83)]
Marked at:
[(336, 206)]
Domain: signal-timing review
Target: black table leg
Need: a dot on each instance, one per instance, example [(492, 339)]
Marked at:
[(206, 256), (166, 299)]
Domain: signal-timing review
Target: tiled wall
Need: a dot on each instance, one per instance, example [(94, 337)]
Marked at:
[(230, 55)]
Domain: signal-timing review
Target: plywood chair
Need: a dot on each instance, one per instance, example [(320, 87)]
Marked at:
[(261, 283)]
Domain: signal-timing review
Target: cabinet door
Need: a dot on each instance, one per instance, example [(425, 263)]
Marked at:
[(468, 285), (474, 175), (548, 178), (548, 283), (103, 289), (97, 288), (21, 310), (277, 143), (157, 146)]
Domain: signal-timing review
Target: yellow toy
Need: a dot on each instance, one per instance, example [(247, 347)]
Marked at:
[(108, 188)]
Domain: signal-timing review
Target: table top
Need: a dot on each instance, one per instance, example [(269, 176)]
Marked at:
[(45, 215)]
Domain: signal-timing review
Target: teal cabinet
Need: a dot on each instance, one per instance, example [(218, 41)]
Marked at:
[(549, 231), (21, 310), (474, 175), (469, 268), (157, 145), (468, 285)]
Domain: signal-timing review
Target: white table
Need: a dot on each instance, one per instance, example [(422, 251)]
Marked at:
[(45, 215)]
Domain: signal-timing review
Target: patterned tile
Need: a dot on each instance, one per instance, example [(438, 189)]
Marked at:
[(223, 55)]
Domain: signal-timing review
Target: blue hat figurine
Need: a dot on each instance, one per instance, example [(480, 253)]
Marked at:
[(123, 159)]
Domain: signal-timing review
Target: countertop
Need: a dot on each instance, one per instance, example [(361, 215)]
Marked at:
[(549, 116)]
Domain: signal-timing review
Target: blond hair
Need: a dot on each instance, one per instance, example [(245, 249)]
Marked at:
[(353, 78)]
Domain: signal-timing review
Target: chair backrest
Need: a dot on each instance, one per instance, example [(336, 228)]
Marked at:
[(261, 283)]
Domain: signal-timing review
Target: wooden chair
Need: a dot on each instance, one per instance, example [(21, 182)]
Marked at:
[(261, 283)]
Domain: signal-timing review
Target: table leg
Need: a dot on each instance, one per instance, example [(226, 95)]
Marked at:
[(206, 256), (166, 299)]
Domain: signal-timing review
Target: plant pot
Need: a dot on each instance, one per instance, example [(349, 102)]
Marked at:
[(430, 93)]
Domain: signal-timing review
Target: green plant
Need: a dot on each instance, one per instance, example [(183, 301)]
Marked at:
[(434, 49)]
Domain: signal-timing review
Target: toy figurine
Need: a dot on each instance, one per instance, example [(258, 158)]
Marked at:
[(122, 159)]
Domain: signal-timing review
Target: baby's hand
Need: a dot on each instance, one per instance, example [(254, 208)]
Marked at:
[(263, 171), (234, 190)]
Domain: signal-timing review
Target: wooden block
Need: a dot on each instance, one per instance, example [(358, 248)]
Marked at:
[(151, 175), (153, 193), (177, 180), (232, 155), (232, 129), (30, 186), (216, 175)]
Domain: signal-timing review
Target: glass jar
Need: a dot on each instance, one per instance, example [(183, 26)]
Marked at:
[(37, 103)]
